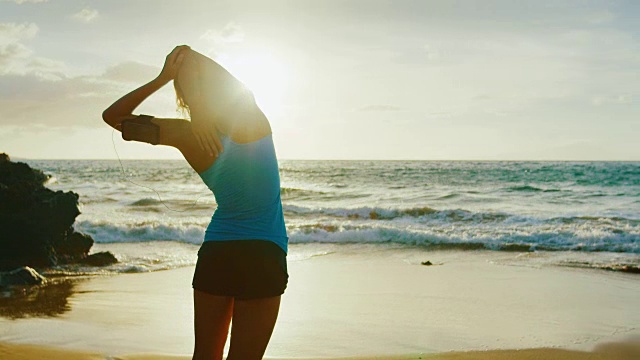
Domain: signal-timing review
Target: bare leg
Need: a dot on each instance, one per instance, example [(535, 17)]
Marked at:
[(212, 315), (253, 322)]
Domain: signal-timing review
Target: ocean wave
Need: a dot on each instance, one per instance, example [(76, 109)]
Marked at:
[(448, 196), (427, 214), (146, 202), (97, 200), (104, 232), (529, 188), (421, 226), (160, 205), (596, 220), (540, 240), (422, 213), (360, 213), (295, 193)]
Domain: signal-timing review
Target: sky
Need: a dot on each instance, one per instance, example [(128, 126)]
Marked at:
[(348, 79)]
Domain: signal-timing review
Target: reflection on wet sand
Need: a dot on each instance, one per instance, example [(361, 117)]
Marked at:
[(48, 300)]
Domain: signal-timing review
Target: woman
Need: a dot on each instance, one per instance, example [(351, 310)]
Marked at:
[(241, 270)]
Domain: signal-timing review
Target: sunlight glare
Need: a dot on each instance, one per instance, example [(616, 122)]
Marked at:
[(266, 76)]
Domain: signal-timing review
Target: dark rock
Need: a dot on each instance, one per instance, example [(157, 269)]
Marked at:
[(74, 248), (21, 175), (100, 259), (21, 276), (36, 222), (427, 263)]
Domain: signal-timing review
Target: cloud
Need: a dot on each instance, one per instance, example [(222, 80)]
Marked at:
[(13, 32), (31, 99), (379, 108), (19, 2), (432, 53), (14, 55), (11, 53), (86, 15), (440, 115), (130, 72), (600, 17), (18, 59), (620, 99), (36, 91), (230, 34)]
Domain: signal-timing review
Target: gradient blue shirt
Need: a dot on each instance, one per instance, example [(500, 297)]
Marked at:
[(246, 183)]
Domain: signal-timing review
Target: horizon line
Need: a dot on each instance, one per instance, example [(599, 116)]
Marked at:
[(284, 159)]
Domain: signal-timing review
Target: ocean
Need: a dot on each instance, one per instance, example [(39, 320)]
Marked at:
[(152, 213)]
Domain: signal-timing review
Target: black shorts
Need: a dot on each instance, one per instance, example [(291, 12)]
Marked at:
[(243, 269)]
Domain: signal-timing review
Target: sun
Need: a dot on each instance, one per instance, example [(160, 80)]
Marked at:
[(264, 74)]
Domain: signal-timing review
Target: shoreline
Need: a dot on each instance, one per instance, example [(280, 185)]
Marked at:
[(354, 301), (629, 350)]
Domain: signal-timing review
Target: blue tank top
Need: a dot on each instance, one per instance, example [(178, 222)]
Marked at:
[(246, 183)]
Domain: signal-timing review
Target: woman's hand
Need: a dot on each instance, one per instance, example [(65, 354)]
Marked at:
[(172, 63), (124, 107), (207, 135)]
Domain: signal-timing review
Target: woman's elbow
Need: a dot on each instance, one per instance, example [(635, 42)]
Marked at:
[(107, 116), (110, 118)]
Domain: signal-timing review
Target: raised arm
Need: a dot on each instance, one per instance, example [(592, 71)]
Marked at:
[(123, 108), (173, 132)]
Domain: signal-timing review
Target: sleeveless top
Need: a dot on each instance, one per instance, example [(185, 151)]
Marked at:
[(246, 184)]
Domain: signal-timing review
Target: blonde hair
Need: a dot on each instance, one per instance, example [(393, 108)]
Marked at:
[(183, 107), (186, 79)]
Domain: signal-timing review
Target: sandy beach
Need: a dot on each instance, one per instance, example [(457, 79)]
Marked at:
[(622, 351), (360, 302)]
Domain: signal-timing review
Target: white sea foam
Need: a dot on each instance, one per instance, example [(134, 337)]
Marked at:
[(104, 232)]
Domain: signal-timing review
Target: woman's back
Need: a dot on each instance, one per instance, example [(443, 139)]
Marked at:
[(246, 182)]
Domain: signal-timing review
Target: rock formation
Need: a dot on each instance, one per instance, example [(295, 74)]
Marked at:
[(36, 223)]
